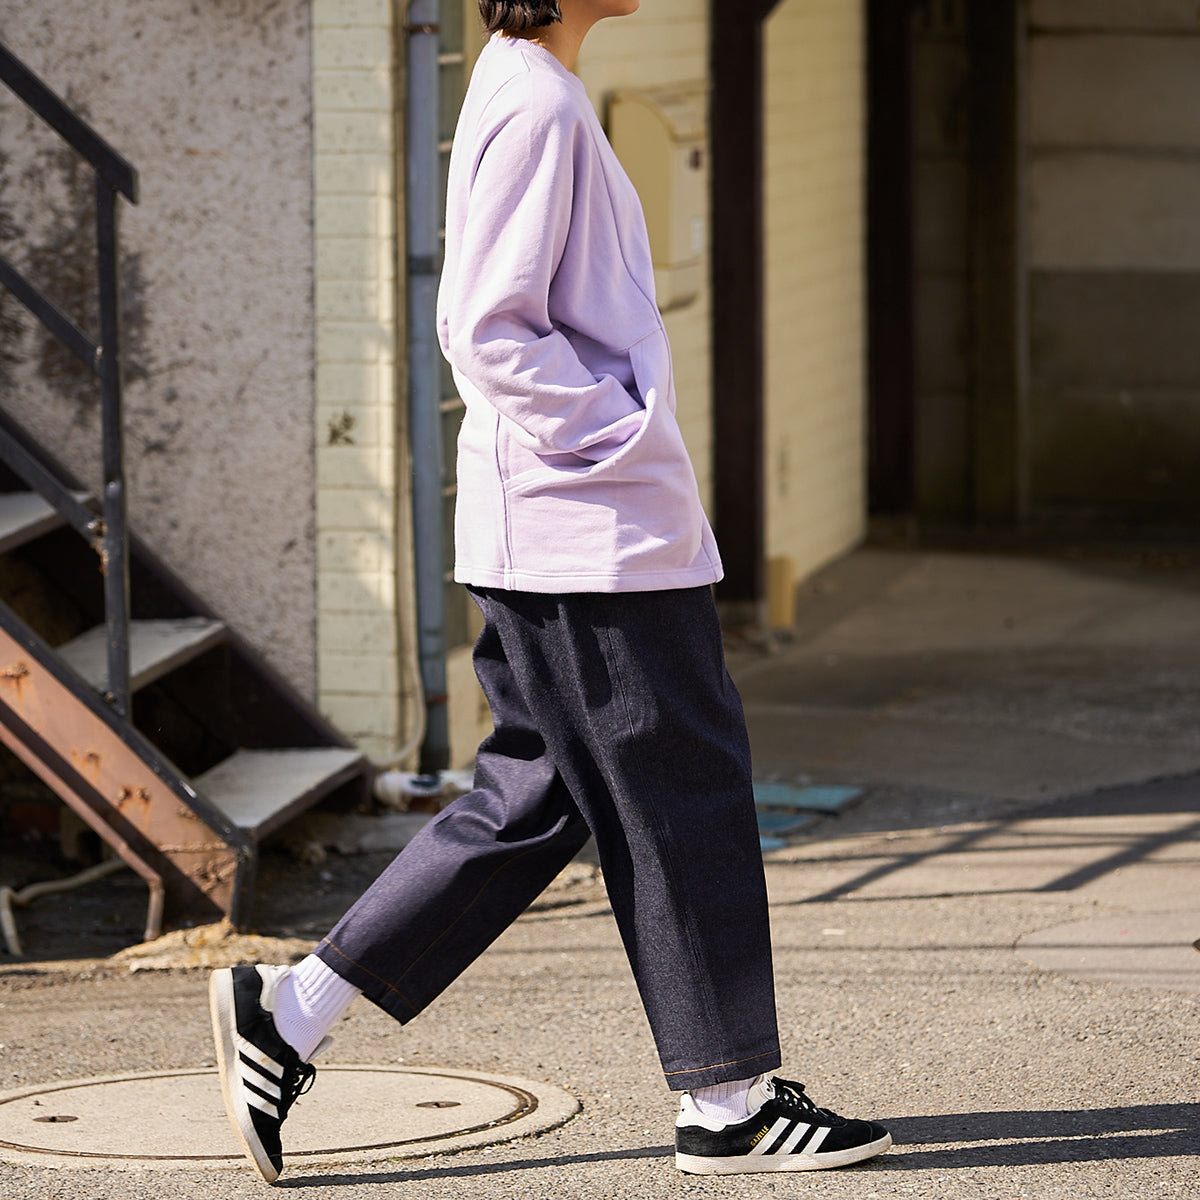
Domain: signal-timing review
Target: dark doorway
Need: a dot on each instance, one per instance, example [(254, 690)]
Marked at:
[(890, 293)]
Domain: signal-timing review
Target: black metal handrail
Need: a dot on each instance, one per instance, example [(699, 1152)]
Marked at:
[(109, 535), (110, 165)]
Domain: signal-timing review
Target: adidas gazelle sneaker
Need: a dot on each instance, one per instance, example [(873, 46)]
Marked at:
[(786, 1131), (261, 1075)]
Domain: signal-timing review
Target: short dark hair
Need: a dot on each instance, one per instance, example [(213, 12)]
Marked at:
[(517, 16)]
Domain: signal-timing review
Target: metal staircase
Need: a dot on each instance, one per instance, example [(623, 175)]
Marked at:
[(132, 700)]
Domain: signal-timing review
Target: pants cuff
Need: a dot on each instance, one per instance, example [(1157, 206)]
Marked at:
[(725, 1072)]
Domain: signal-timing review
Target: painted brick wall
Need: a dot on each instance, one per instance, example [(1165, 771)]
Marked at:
[(815, 431), (357, 365)]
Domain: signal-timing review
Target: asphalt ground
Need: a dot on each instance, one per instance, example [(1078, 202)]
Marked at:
[(1024, 732)]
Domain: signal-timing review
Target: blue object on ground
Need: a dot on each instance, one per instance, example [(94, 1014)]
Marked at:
[(826, 799), (784, 822)]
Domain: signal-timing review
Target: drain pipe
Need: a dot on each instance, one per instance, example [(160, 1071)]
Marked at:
[(9, 897), (423, 220)]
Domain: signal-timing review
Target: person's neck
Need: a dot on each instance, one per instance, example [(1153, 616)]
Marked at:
[(563, 39)]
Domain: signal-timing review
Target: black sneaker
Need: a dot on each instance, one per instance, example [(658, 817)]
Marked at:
[(261, 1075), (786, 1131)]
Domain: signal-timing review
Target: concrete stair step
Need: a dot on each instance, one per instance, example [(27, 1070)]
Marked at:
[(155, 648), (25, 516), (259, 790)]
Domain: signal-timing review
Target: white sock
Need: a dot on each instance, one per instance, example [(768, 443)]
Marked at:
[(724, 1101), (308, 1002)]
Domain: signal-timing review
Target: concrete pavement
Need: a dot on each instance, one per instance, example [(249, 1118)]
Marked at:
[(991, 952)]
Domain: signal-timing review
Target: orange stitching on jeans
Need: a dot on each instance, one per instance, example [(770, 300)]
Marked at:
[(365, 971), (737, 1062)]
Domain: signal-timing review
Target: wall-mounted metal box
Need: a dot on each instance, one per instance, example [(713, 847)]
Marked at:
[(661, 137)]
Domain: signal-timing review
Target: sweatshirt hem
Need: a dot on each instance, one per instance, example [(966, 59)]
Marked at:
[(622, 581)]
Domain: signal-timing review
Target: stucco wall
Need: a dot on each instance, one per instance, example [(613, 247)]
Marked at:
[(815, 315), (211, 103)]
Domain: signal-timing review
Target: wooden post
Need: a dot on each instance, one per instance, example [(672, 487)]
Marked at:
[(736, 57)]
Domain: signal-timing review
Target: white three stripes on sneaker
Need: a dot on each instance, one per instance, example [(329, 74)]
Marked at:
[(261, 1075), (778, 1139)]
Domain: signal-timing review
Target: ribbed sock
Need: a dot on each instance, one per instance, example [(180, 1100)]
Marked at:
[(308, 1001), (724, 1101)]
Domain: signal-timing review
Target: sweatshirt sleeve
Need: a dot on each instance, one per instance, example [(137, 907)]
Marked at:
[(495, 323)]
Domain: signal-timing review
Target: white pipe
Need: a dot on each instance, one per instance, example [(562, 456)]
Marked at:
[(27, 895)]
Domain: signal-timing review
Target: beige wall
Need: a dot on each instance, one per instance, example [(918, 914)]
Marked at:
[(815, 288), (361, 520), (210, 102)]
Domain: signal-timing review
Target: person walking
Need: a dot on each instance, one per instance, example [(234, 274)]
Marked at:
[(580, 535)]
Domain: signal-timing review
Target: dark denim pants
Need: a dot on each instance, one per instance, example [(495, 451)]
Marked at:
[(613, 715)]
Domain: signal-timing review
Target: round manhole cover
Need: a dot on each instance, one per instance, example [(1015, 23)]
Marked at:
[(174, 1119)]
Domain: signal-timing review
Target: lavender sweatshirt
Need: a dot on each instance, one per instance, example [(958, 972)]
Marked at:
[(572, 474)]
